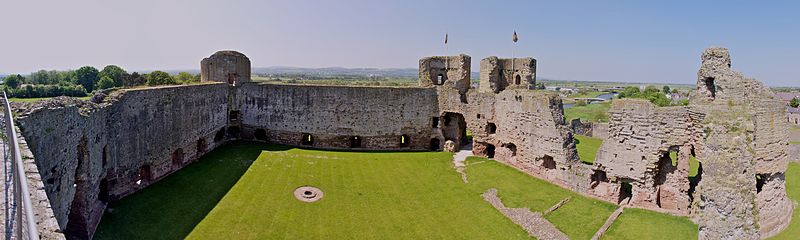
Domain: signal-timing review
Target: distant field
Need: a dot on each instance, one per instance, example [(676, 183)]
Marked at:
[(342, 81), (587, 148), (241, 192), (591, 112), (39, 99)]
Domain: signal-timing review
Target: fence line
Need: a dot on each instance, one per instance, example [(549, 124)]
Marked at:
[(22, 196)]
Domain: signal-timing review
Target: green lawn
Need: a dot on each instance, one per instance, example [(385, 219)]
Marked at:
[(591, 112), (39, 99), (694, 165), (794, 142), (643, 224), (580, 218), (587, 147), (241, 192), (180, 200), (793, 191)]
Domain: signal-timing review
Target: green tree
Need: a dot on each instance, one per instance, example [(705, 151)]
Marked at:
[(629, 92), (87, 77), (666, 89), (105, 83), (40, 77), (794, 102), (159, 78), (184, 77), (13, 81), (134, 80), (116, 73)]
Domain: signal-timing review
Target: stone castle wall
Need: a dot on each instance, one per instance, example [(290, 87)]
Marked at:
[(332, 115), (98, 152), (91, 153)]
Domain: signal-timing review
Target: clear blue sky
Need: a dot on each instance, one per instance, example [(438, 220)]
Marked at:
[(637, 41)]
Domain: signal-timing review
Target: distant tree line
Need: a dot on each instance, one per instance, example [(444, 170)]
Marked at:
[(84, 80), (651, 93)]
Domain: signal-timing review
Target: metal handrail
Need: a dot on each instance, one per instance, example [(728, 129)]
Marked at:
[(22, 196)]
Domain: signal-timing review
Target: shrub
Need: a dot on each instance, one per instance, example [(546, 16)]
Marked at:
[(40, 91)]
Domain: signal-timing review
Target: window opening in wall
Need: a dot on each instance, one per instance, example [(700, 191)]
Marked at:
[(105, 155), (435, 122), (261, 134), (490, 151), (512, 148), (103, 193), (711, 87), (355, 142), (201, 145), (491, 128), (694, 181), (233, 116), (435, 143), (440, 79), (144, 174), (548, 162), (760, 179), (405, 141), (220, 135), (177, 157), (232, 77), (307, 139), (517, 80), (625, 191), (233, 131)]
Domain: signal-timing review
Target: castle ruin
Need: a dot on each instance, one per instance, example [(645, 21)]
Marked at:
[(104, 150)]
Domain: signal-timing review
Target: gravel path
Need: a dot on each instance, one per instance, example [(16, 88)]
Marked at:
[(459, 158)]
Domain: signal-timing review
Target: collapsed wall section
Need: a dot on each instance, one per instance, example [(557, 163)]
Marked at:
[(91, 153), (397, 118), (644, 161)]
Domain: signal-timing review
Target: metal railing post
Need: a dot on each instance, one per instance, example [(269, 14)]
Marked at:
[(22, 196)]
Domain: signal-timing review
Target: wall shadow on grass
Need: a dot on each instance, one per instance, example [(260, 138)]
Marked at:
[(173, 206)]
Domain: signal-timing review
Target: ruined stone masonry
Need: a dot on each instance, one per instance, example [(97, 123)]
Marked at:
[(124, 140)]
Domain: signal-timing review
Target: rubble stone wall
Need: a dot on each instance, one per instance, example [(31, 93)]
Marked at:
[(332, 115), (90, 153)]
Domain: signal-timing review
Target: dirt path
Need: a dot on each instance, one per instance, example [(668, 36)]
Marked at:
[(459, 159)]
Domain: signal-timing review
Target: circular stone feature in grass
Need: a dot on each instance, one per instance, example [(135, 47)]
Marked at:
[(308, 194)]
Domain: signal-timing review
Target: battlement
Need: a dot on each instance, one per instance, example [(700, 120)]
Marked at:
[(452, 71), (227, 66), (498, 74)]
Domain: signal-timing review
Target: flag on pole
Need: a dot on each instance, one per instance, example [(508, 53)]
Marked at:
[(515, 38), (445, 38)]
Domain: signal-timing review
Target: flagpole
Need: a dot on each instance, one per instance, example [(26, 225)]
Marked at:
[(446, 57)]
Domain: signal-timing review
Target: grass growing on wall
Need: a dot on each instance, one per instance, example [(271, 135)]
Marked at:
[(590, 113), (587, 148)]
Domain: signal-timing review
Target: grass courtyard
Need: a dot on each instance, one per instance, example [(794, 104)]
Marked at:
[(244, 191), (590, 113), (587, 148)]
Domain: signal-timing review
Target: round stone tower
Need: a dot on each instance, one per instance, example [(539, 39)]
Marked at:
[(227, 66)]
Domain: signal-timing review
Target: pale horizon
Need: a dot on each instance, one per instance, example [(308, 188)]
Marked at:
[(613, 42)]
